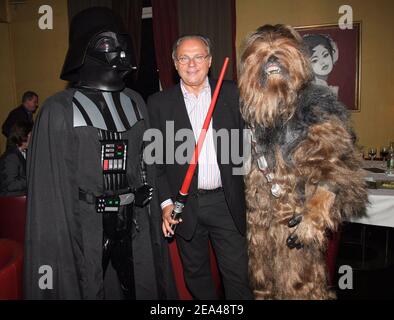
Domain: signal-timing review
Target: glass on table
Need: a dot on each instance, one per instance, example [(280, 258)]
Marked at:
[(372, 153), (390, 160), (384, 152)]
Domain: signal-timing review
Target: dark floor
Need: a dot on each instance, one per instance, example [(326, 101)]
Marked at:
[(369, 251)]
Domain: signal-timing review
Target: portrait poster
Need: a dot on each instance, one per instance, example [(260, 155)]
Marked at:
[(336, 65)]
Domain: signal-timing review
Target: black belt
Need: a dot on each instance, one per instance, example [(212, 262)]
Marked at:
[(202, 192), (123, 198), (88, 197)]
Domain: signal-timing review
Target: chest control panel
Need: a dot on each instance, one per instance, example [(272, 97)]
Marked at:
[(114, 156)]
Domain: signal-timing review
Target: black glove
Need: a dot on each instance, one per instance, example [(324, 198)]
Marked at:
[(143, 195)]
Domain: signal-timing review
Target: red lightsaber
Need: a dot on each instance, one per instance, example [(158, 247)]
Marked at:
[(182, 195)]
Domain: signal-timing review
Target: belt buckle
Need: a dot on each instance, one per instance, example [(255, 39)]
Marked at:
[(111, 203), (107, 204), (208, 191)]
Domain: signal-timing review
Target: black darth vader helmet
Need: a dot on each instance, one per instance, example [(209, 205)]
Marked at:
[(100, 53)]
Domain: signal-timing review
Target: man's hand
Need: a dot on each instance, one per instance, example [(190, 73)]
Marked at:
[(167, 220)]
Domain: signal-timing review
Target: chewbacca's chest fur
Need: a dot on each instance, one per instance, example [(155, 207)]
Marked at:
[(315, 104), (284, 137), (288, 155)]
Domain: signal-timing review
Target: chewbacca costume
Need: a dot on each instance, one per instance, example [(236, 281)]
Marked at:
[(305, 175)]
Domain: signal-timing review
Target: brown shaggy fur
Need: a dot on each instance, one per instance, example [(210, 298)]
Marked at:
[(324, 162)]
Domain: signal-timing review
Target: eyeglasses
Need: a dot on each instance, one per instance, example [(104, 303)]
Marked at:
[(197, 59)]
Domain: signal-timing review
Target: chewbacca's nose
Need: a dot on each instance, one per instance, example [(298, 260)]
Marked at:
[(272, 59)]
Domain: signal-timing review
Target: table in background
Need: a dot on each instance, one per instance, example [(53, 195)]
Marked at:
[(380, 211)]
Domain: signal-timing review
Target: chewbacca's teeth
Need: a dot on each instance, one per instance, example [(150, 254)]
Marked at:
[(273, 69)]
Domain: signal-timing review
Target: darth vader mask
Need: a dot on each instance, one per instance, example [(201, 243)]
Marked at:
[(100, 53), (112, 49)]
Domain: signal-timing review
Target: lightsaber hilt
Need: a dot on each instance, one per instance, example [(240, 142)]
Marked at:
[(179, 204)]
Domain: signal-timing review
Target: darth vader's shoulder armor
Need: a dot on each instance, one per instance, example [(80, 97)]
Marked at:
[(111, 111)]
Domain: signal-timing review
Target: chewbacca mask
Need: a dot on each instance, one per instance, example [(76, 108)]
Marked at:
[(305, 176)]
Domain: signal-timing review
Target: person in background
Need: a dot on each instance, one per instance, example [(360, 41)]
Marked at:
[(22, 113), (13, 160)]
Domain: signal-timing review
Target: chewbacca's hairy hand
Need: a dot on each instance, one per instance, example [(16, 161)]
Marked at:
[(306, 233), (317, 218)]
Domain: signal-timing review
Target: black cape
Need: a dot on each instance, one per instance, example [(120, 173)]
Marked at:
[(65, 233)]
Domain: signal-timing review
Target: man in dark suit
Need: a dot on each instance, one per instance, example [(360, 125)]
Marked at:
[(215, 208), (22, 113), (13, 160)]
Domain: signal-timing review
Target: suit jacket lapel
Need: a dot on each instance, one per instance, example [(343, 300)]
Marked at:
[(220, 119), (180, 112), (219, 114)]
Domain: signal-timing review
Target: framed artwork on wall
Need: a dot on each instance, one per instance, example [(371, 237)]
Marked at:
[(335, 55)]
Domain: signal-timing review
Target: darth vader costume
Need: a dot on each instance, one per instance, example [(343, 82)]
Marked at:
[(93, 219)]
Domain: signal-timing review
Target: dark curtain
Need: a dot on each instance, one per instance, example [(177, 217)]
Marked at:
[(165, 32), (131, 13), (234, 36), (216, 20), (146, 80)]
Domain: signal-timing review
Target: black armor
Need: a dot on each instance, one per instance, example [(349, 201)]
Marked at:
[(113, 113)]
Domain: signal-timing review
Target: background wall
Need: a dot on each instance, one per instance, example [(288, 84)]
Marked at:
[(32, 58), (7, 77), (374, 124)]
